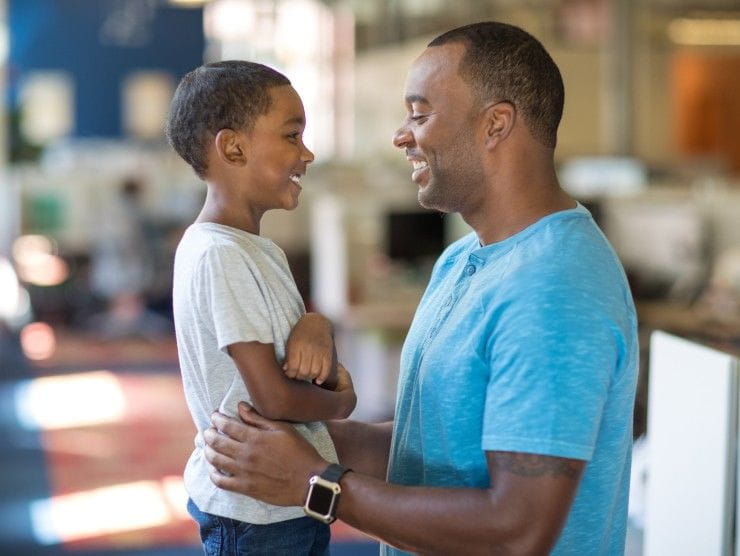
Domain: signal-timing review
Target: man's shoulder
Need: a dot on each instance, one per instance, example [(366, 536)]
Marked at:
[(573, 250)]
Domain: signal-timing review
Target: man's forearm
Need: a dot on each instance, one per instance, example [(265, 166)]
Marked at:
[(429, 520), (363, 447)]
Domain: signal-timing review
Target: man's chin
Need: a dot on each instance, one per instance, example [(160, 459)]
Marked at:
[(428, 201)]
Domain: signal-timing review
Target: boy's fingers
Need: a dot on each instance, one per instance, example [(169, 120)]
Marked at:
[(290, 364), (316, 366), (323, 375)]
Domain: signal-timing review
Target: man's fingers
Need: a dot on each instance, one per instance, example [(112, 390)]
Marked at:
[(225, 482), (219, 460), (232, 428), (254, 419), (221, 443)]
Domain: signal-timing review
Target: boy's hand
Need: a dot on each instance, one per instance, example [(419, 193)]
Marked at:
[(310, 353), (344, 379), (346, 388)]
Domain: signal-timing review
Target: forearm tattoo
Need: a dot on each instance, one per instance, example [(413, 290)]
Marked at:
[(535, 465)]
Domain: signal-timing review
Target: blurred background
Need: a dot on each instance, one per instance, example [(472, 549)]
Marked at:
[(93, 426)]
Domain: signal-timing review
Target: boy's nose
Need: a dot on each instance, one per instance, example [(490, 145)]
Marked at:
[(307, 155)]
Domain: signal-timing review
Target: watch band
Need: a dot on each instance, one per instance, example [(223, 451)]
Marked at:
[(334, 472)]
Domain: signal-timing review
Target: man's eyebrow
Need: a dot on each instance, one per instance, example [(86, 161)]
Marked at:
[(410, 99)]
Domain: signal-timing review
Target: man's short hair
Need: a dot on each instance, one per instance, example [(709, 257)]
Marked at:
[(505, 63), (223, 95)]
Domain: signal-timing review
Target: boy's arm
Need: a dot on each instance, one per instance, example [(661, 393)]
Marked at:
[(310, 353), (276, 396)]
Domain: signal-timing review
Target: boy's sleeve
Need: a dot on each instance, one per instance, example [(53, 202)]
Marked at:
[(231, 295), (552, 359)]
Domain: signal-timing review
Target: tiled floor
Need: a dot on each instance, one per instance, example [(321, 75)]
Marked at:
[(92, 448)]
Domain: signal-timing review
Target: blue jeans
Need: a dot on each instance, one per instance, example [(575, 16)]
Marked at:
[(222, 536)]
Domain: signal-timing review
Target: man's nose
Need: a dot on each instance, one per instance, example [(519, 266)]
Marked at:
[(402, 138)]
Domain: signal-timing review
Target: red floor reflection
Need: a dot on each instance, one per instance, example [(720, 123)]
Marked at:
[(147, 447)]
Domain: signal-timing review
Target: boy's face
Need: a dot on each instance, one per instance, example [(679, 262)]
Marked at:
[(277, 158)]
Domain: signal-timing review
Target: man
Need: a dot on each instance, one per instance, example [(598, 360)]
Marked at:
[(513, 423)]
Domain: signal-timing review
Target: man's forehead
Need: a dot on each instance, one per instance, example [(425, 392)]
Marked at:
[(446, 56), (435, 66)]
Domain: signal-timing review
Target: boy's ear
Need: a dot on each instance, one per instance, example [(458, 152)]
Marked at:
[(498, 122), (231, 147)]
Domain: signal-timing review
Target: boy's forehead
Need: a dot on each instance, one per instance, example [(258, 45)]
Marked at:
[(286, 105)]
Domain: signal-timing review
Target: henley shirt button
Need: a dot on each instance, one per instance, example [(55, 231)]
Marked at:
[(470, 270)]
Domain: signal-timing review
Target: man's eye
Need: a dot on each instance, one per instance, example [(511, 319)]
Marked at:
[(418, 117)]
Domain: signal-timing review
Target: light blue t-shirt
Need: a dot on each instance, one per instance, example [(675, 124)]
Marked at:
[(526, 345)]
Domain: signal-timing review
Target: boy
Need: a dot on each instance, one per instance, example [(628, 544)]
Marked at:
[(239, 125)]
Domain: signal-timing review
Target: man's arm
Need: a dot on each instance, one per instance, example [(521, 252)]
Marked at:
[(362, 447), (278, 397), (522, 512)]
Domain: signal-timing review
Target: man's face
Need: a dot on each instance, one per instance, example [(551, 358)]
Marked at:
[(278, 158), (438, 134)]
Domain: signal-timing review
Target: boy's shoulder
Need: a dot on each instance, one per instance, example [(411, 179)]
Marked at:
[(205, 243)]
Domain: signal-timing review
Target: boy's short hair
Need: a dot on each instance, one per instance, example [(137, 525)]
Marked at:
[(223, 95), (504, 62)]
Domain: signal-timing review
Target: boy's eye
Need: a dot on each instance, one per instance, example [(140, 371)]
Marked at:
[(294, 136)]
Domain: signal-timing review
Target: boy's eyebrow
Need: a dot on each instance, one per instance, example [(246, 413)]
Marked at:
[(297, 120)]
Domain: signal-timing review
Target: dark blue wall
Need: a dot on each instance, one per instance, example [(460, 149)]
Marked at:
[(98, 48)]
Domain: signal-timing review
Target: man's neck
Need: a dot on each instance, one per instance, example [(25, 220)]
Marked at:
[(517, 199)]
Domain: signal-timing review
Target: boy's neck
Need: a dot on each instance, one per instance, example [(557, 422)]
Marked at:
[(220, 209)]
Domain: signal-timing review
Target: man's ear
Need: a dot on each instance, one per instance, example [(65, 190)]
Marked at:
[(498, 122), (231, 147)]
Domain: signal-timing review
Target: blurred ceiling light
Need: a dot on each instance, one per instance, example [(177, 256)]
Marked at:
[(4, 45), (229, 20), (37, 263), (705, 32), (47, 106), (146, 102), (28, 246), (101, 511), (38, 341), (10, 292), (45, 270), (69, 401)]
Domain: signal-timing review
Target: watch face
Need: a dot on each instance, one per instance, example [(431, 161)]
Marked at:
[(320, 499)]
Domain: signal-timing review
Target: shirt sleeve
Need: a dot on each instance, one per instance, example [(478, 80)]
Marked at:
[(553, 355), (230, 292)]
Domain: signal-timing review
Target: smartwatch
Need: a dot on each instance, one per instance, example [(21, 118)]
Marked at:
[(323, 494)]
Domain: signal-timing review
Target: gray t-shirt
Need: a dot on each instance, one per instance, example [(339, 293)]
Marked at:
[(231, 286)]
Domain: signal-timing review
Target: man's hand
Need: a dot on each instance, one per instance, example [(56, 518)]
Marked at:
[(267, 460), (310, 352)]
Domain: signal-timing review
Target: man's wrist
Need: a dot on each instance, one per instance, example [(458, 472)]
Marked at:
[(323, 493)]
